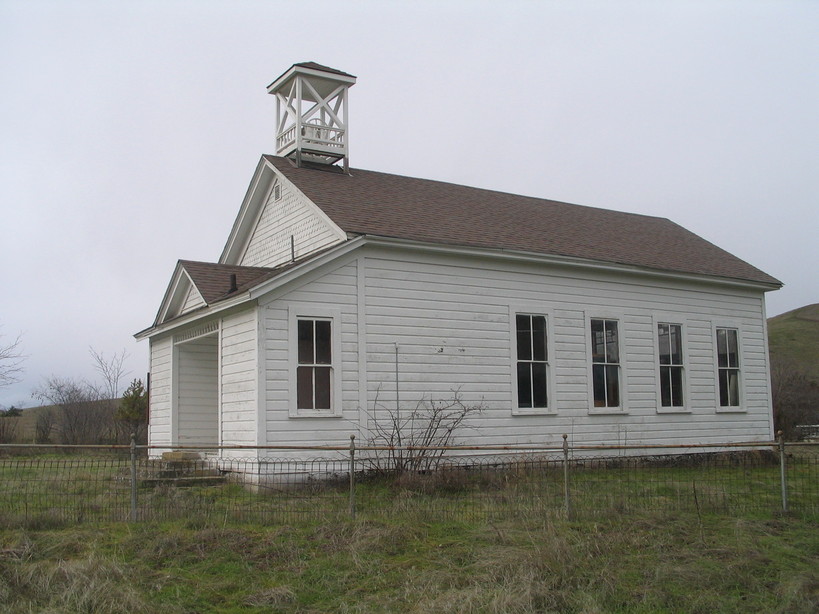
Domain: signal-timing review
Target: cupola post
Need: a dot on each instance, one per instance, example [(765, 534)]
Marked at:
[(311, 114)]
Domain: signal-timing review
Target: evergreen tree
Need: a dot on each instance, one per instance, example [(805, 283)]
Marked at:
[(133, 408)]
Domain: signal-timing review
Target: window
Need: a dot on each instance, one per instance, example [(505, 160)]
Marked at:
[(728, 367), (532, 361), (277, 192), (314, 361), (669, 338), (314, 370), (605, 343)]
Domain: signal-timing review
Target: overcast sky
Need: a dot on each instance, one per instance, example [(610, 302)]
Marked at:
[(129, 132)]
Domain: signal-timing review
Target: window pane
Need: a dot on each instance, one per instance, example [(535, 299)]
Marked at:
[(524, 329), (733, 387), (676, 381), (323, 350), (613, 386), (598, 336), (612, 351), (539, 337), (304, 387), (599, 385), (665, 386), (733, 353), (675, 334), (723, 388), (323, 387), (524, 384), (722, 347), (539, 385), (306, 342), (664, 339)]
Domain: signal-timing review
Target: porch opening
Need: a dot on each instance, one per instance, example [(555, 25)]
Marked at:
[(197, 391)]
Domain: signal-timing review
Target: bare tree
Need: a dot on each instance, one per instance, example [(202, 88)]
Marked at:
[(83, 416), (44, 425), (11, 361), (9, 422), (112, 372), (84, 411), (795, 397)]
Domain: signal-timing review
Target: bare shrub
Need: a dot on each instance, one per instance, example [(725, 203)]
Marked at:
[(44, 426), (8, 428), (795, 397), (82, 416), (416, 440)]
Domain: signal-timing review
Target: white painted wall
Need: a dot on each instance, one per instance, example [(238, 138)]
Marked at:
[(239, 377), (291, 215), (333, 290), (193, 301), (197, 386), (159, 423), (450, 316)]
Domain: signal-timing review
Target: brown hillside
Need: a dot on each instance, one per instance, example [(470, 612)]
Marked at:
[(793, 338)]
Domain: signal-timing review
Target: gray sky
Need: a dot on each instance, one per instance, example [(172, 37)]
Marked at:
[(129, 132)]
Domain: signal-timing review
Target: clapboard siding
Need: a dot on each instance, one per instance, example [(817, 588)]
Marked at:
[(290, 216), (336, 290), (239, 378), (161, 360), (197, 391), (450, 318), (451, 323), (193, 301)]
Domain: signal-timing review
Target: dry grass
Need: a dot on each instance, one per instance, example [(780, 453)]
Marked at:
[(643, 563)]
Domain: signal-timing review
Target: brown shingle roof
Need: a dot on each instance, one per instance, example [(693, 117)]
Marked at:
[(213, 280), (372, 203)]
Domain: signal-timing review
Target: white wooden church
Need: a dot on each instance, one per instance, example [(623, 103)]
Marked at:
[(341, 292)]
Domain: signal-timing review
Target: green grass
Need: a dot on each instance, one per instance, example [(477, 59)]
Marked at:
[(457, 541), (639, 563), (42, 493)]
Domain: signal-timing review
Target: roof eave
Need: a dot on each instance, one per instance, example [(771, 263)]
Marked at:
[(570, 261), (192, 316)]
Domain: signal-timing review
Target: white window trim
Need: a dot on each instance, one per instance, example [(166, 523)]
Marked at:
[(534, 309), (741, 408), (672, 319), (621, 335), (294, 312)]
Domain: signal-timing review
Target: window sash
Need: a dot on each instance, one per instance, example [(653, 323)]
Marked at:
[(605, 362), (669, 341), (728, 367), (314, 369), (532, 363)]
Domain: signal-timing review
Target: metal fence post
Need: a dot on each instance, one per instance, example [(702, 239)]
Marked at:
[(783, 473), (352, 477), (566, 497), (133, 479)]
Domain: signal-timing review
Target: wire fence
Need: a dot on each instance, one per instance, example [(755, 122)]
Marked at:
[(47, 486)]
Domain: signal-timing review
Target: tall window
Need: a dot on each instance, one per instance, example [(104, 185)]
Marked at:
[(605, 363), (314, 370), (669, 337), (728, 366), (533, 361)]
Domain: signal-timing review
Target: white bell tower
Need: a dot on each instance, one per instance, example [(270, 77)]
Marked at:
[(311, 114)]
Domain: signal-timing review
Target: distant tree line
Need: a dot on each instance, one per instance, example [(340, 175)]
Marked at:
[(82, 413)]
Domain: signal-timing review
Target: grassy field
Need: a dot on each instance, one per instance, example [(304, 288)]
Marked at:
[(794, 336), (411, 563), (657, 537), (63, 490)]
